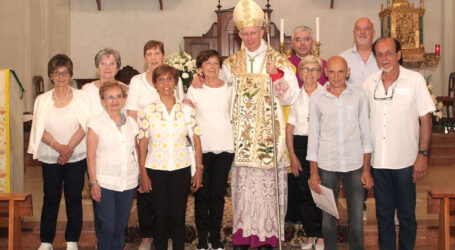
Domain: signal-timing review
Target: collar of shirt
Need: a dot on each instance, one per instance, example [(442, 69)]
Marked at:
[(325, 92), (262, 48)]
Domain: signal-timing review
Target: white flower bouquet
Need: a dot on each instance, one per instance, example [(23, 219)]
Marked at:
[(437, 114), (186, 66)]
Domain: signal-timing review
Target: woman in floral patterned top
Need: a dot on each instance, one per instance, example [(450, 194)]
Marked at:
[(164, 160)]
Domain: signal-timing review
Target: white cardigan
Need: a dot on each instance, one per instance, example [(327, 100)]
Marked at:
[(80, 104)]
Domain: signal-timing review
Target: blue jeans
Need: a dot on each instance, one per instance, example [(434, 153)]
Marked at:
[(355, 193), (111, 216), (394, 189)]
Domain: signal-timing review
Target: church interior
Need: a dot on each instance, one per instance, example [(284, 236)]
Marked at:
[(32, 31)]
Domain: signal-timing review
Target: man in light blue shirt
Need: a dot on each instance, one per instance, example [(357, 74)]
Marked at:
[(361, 61), (340, 144), (360, 57)]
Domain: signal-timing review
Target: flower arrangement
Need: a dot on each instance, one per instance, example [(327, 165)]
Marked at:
[(437, 114), (186, 66)]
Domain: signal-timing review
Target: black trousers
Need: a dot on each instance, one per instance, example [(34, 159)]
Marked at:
[(209, 199), (145, 214), (70, 178), (169, 196), (311, 215)]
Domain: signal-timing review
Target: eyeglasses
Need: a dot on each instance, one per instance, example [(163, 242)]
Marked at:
[(60, 73), (104, 64), (249, 34), (358, 29), (312, 70), (114, 97), (165, 79), (299, 39), (386, 98)]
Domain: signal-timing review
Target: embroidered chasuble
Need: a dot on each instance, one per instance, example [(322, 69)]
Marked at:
[(252, 113)]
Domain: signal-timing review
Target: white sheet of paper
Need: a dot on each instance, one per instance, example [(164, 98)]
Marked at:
[(325, 201)]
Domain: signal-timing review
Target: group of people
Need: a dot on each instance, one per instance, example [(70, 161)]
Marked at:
[(360, 116)]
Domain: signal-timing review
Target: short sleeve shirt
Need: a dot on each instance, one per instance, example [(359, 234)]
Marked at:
[(394, 123), (166, 133), (116, 165)]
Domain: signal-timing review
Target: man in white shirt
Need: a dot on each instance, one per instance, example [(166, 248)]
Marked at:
[(361, 60), (360, 57), (339, 144), (400, 120)]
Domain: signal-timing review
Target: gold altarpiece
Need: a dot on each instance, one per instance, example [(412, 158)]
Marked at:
[(403, 21)]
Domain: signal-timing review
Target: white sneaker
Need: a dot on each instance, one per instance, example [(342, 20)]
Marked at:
[(71, 245), (309, 245), (364, 215), (319, 247), (397, 222), (45, 246), (146, 245)]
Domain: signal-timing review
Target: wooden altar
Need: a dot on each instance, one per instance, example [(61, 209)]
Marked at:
[(223, 36)]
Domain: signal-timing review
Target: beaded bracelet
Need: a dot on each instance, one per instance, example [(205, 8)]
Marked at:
[(93, 182)]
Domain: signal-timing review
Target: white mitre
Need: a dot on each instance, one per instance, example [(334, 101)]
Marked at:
[(247, 13)]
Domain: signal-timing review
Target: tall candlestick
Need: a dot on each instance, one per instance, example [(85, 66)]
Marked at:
[(317, 29), (281, 30)]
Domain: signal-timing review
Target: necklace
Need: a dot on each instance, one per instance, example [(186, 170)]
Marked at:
[(64, 99), (122, 121)]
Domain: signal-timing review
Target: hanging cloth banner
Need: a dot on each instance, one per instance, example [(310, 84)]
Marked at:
[(11, 126), (5, 161)]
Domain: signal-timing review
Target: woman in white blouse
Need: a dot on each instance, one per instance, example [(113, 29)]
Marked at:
[(112, 166), (164, 161), (141, 90), (107, 63), (212, 103), (57, 139), (140, 93), (297, 141)]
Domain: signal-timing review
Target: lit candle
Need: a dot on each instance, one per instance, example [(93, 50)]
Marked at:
[(281, 30), (317, 29), (437, 50)]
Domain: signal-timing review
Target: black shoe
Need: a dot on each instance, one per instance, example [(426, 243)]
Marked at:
[(265, 247), (202, 245), (240, 247), (217, 245)]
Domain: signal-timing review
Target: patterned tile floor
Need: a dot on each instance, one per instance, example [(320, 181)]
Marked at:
[(426, 235)]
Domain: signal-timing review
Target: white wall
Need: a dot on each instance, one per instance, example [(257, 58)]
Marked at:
[(127, 25), (32, 31)]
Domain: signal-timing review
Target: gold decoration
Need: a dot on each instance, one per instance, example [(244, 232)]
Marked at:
[(317, 50), (404, 22), (247, 13), (252, 116)]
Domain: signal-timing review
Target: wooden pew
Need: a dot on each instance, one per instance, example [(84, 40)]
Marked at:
[(444, 195), (13, 206)]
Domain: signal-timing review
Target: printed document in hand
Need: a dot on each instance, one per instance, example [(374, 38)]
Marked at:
[(325, 201)]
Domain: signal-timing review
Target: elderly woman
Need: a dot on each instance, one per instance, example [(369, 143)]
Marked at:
[(112, 166), (212, 103), (164, 161), (107, 63), (57, 139), (297, 140), (140, 93)]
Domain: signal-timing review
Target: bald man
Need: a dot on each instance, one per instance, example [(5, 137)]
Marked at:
[(360, 57), (339, 144)]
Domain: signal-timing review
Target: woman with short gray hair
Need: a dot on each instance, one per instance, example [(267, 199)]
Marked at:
[(297, 131), (107, 63)]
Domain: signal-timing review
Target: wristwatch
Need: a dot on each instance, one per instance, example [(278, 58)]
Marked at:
[(424, 153)]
